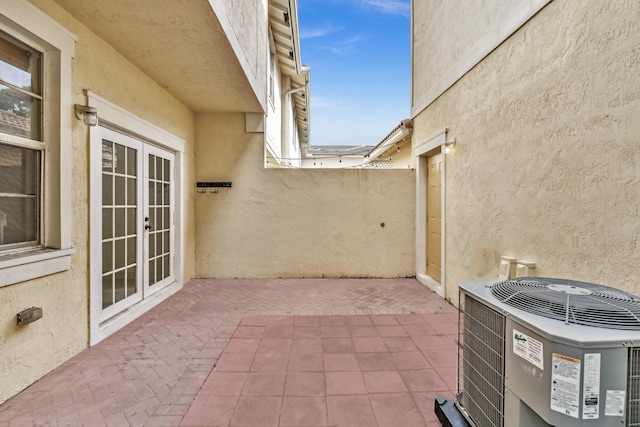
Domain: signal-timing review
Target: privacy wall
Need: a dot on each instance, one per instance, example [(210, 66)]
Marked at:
[(293, 222)]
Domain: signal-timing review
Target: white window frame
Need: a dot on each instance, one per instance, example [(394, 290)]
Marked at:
[(113, 117), (30, 25)]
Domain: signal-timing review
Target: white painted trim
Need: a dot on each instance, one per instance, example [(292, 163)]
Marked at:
[(35, 21), (520, 15), (36, 264), (120, 120), (421, 150), (129, 315)]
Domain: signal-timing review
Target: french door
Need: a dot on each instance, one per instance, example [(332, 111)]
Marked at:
[(137, 232)]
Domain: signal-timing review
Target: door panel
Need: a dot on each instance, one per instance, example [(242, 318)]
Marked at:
[(121, 235), (136, 223), (159, 268), (434, 217)]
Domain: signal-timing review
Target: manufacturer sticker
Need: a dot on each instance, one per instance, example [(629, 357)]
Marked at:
[(591, 387), (565, 385), (614, 405), (530, 349)]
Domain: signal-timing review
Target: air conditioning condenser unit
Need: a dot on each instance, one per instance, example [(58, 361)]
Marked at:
[(538, 352)]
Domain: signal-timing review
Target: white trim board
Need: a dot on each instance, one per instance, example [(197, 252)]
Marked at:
[(432, 144), (525, 10), (113, 117)]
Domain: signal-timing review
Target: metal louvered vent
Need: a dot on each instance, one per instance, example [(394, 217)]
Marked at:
[(483, 364), (633, 388), (571, 301)]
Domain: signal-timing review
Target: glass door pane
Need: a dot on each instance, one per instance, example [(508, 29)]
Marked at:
[(120, 235), (160, 238)]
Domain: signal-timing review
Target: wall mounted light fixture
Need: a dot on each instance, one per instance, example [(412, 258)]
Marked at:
[(88, 115), (448, 145)]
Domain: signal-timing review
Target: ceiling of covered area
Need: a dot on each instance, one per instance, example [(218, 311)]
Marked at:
[(181, 45)]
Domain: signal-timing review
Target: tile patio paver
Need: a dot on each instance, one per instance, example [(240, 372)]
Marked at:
[(280, 358)]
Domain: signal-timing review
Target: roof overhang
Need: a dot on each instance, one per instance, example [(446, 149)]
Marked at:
[(398, 136), (283, 21), (188, 48)]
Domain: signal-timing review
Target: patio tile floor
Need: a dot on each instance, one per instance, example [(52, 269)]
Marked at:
[(363, 352)]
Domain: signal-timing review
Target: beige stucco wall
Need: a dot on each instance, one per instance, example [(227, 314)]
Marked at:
[(547, 163), (296, 223), (445, 32), (31, 351)]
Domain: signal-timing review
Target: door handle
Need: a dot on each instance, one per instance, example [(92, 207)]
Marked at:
[(147, 226)]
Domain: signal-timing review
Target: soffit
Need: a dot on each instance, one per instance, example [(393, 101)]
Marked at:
[(283, 21), (181, 45)]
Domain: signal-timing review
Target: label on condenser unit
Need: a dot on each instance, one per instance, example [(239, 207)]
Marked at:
[(591, 387), (614, 405), (530, 349), (565, 385)]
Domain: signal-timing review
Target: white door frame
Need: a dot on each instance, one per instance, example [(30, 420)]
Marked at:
[(117, 119), (433, 144)]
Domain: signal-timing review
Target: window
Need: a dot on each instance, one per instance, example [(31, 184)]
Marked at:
[(35, 143), (20, 158), (272, 77)]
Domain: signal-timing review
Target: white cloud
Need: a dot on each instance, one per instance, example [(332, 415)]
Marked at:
[(326, 29), (391, 7)]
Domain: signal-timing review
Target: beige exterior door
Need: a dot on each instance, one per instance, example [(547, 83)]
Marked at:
[(434, 216)]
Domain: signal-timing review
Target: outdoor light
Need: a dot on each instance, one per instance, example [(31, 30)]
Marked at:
[(448, 145), (88, 115)]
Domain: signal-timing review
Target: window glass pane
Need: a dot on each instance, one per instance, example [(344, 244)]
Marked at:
[(152, 272), (131, 250), (166, 242), (152, 164), (119, 158), (166, 170), (131, 280), (152, 193), (131, 221), (159, 168), (20, 199), (19, 113), (166, 218), (120, 286), (120, 253), (107, 190), (107, 156), (166, 266), (107, 223), (158, 243), (131, 162), (107, 290), (120, 230), (131, 192), (20, 89), (120, 190), (152, 245), (107, 257)]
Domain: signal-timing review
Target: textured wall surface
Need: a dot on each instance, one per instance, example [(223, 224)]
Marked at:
[(444, 32), (29, 352), (296, 223), (547, 162)]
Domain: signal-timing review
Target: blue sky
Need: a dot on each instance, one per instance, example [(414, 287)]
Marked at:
[(359, 54)]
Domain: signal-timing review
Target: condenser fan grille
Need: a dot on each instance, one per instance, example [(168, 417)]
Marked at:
[(571, 301)]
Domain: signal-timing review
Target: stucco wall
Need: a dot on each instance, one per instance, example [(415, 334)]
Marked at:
[(29, 352), (547, 163), (296, 223), (444, 32)]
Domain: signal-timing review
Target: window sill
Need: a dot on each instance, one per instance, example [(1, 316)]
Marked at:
[(20, 267)]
